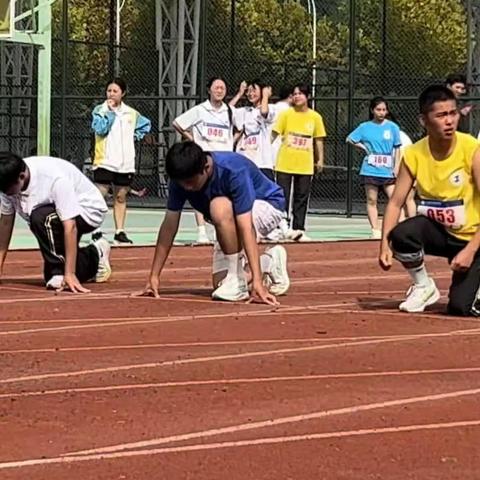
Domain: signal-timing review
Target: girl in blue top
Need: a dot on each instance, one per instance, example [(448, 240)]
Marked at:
[(379, 140)]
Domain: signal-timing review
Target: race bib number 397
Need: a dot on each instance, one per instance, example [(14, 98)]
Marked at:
[(450, 213), (299, 141)]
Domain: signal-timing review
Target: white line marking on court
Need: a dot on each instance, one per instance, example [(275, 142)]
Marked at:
[(241, 443), (235, 356), (152, 320), (239, 381), (279, 421), (145, 346)]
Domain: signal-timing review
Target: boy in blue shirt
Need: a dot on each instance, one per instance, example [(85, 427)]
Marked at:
[(242, 204)]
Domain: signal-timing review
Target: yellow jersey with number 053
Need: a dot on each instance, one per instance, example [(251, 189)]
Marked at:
[(446, 188)]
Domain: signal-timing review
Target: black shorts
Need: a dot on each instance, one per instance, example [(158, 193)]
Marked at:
[(377, 181), (103, 176)]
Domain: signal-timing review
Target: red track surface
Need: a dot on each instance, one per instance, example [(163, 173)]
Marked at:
[(335, 384)]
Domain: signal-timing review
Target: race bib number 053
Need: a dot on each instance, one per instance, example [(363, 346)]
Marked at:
[(450, 213)]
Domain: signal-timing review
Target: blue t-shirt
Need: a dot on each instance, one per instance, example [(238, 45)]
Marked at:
[(380, 141), (235, 177)]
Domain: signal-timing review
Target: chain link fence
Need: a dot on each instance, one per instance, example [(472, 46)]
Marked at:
[(363, 49)]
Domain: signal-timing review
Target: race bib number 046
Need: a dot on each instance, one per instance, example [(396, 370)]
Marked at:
[(380, 160), (215, 133), (451, 213)]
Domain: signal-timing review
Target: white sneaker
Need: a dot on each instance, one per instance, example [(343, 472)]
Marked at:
[(419, 297), (232, 289), (280, 282), (376, 234), (305, 238), (55, 282), (294, 235), (104, 269)]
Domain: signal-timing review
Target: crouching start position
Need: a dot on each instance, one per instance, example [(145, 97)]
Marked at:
[(60, 204), (446, 167), (242, 204)]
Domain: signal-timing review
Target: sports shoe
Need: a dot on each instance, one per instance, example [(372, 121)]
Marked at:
[(232, 289), (376, 234), (120, 239), (55, 282), (294, 235), (305, 238), (97, 235), (419, 297), (280, 282), (104, 269)]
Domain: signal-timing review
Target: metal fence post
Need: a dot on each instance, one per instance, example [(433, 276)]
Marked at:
[(351, 104)]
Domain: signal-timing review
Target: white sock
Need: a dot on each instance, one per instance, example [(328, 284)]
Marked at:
[(202, 230), (119, 231), (266, 263), (234, 264), (419, 275)]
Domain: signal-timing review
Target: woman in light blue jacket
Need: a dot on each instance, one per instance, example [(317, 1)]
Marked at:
[(116, 127)]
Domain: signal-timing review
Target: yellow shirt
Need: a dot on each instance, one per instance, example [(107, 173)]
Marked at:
[(446, 188), (297, 130)]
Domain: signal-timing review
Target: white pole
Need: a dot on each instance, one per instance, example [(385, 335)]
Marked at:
[(314, 53), (117, 38)]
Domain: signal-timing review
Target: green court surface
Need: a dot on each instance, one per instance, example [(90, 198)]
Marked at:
[(143, 224)]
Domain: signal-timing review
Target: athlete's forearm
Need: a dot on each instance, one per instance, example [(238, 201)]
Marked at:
[(166, 236), (71, 246), (6, 229)]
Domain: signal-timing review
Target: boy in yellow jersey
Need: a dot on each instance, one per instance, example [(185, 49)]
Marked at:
[(446, 166)]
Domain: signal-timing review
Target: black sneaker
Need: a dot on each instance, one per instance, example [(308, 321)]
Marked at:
[(120, 239), (97, 236)]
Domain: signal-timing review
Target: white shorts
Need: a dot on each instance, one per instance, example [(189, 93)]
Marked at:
[(266, 218)]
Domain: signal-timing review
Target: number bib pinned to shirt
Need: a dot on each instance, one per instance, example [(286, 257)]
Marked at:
[(214, 133), (450, 213), (380, 160), (251, 142), (299, 141)]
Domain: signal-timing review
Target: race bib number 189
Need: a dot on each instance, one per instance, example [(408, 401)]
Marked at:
[(450, 213)]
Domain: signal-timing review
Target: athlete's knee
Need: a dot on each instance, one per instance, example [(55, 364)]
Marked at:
[(462, 307), (42, 214), (221, 211), (371, 201)]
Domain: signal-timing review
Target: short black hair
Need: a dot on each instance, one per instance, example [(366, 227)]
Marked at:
[(433, 94), (120, 82), (456, 78), (11, 166), (213, 79), (285, 92), (303, 87), (185, 160)]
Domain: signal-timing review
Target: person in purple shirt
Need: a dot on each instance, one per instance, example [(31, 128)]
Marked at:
[(242, 204)]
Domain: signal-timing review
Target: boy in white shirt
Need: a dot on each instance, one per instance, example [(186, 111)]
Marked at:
[(59, 203)]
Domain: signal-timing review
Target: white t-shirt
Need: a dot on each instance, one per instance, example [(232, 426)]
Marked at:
[(404, 139), (279, 108), (211, 129), (56, 181), (255, 142)]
